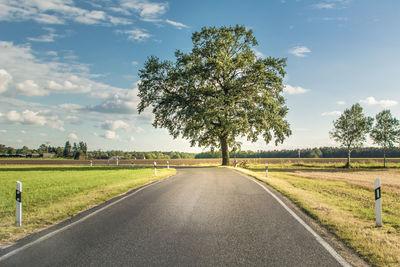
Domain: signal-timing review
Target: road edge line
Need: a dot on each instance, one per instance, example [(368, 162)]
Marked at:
[(46, 236), (320, 240)]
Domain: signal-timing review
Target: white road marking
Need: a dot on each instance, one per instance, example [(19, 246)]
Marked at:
[(15, 251), (320, 240)]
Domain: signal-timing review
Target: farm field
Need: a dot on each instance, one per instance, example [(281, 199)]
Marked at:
[(277, 162), (53, 193), (343, 201)]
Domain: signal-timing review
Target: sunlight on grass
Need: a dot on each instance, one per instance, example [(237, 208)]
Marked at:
[(51, 193), (343, 201)]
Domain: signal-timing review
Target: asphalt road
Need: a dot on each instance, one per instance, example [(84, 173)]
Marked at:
[(200, 217)]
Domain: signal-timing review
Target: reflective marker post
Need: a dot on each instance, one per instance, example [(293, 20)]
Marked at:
[(18, 198), (91, 163), (167, 164), (155, 168), (235, 163), (378, 204), (266, 169)]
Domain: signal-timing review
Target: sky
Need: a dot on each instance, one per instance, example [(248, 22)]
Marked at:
[(69, 68)]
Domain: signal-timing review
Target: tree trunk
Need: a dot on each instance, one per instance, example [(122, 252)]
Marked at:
[(225, 151), (384, 157), (348, 158)]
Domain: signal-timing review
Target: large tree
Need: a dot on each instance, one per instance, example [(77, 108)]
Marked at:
[(217, 92), (386, 131), (351, 129)]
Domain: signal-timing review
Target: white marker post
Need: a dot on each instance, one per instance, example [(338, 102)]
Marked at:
[(117, 161), (18, 198), (235, 163), (91, 163), (168, 164), (266, 169), (155, 168), (378, 204)]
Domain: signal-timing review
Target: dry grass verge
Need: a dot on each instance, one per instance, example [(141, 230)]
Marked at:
[(343, 202)]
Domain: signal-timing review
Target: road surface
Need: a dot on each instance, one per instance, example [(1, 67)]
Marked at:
[(200, 217)]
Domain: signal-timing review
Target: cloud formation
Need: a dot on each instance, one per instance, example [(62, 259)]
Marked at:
[(115, 125), (135, 34), (35, 118), (176, 24), (111, 135), (297, 90), (31, 76), (300, 51), (371, 101)]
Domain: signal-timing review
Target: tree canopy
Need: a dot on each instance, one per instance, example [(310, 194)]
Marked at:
[(217, 92), (386, 131), (351, 129)]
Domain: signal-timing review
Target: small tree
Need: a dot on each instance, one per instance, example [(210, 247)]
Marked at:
[(351, 128), (386, 131), (217, 92), (67, 149)]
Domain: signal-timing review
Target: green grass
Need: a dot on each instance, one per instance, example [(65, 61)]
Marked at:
[(53, 193), (343, 201)]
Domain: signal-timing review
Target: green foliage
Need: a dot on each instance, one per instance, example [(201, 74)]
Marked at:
[(386, 131), (217, 92), (351, 128)]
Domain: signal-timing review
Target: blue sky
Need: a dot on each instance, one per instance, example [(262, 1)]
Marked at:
[(68, 69)]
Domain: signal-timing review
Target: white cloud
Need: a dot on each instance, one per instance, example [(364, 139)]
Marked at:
[(300, 51), (43, 134), (5, 79), (258, 53), (46, 38), (295, 90), (55, 12), (111, 135), (3, 131), (331, 113), (122, 103), (115, 125), (35, 118), (32, 76), (147, 11), (30, 88), (30, 117), (19, 141), (14, 116), (23, 132), (73, 136), (341, 103), (324, 5), (176, 24), (371, 101), (135, 34), (132, 139), (135, 63)]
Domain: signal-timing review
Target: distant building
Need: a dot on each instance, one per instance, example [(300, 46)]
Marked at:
[(48, 155)]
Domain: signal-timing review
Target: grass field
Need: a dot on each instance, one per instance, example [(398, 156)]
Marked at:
[(343, 201), (53, 193)]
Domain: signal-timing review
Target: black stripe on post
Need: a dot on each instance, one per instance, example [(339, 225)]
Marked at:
[(378, 193), (18, 196)]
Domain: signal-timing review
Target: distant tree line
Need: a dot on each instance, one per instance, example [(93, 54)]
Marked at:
[(79, 151), (322, 152)]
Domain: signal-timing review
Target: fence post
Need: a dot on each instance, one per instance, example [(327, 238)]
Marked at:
[(155, 168), (18, 198), (378, 204), (266, 169)]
